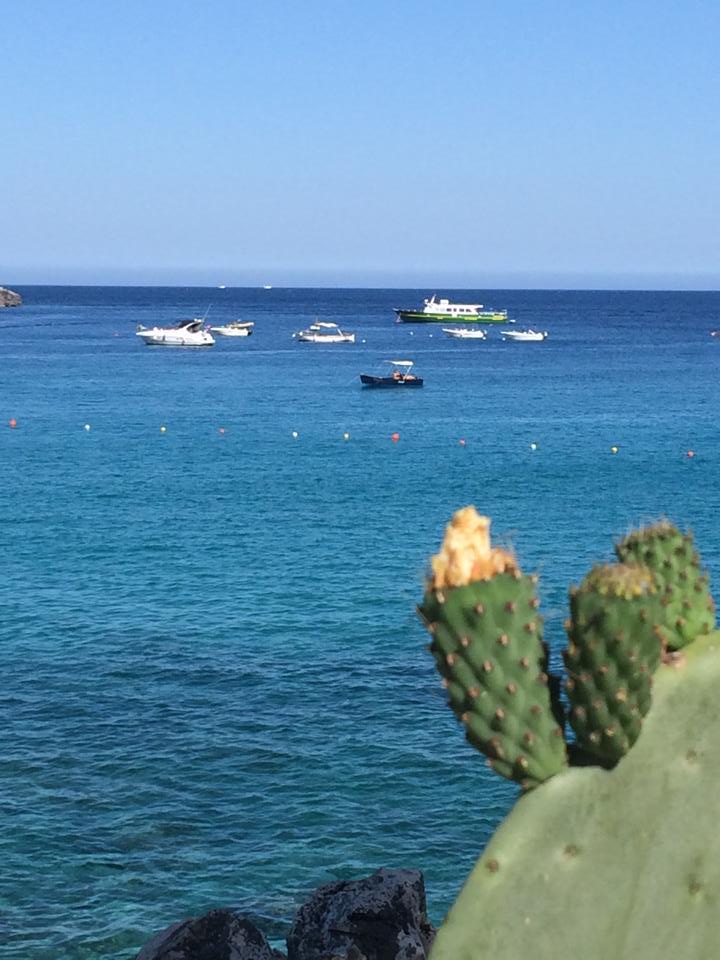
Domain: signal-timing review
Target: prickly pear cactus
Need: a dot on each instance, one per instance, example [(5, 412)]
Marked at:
[(614, 648), (619, 864), (683, 586), (487, 643), (606, 864)]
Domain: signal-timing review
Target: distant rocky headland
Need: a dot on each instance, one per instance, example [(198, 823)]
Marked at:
[(8, 298)]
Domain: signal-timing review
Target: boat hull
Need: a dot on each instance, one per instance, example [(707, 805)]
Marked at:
[(160, 341), (417, 316), (347, 338), (389, 382)]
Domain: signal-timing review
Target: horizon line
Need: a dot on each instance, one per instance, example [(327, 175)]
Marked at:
[(367, 286)]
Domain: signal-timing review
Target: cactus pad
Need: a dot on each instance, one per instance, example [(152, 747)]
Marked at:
[(621, 864), (487, 644), (614, 649), (683, 587)]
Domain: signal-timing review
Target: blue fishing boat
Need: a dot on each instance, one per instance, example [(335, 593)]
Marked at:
[(401, 375)]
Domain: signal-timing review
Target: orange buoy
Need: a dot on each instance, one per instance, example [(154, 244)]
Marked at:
[(691, 453), (395, 437), (12, 423)]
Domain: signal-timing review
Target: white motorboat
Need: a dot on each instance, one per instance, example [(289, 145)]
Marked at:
[(463, 333), (324, 333), (188, 333), (524, 334), (237, 328)]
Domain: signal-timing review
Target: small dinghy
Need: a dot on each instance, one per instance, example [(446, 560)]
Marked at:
[(401, 375), (234, 329), (524, 335), (320, 332), (464, 333)]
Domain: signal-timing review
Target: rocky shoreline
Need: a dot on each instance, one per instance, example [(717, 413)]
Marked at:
[(381, 917), (8, 298)]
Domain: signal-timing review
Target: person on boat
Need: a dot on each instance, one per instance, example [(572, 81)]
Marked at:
[(397, 375)]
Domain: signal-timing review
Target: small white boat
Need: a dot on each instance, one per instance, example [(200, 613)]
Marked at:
[(237, 328), (463, 333), (188, 333), (324, 333), (524, 334)]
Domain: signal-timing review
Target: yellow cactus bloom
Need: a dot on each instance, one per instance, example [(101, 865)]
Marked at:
[(466, 554)]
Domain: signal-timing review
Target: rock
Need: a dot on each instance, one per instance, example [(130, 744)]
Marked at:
[(381, 917), (8, 298), (218, 935)]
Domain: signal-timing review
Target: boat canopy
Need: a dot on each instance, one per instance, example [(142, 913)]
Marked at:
[(401, 363), (318, 323)]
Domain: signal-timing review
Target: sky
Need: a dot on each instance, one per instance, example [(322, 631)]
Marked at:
[(468, 143)]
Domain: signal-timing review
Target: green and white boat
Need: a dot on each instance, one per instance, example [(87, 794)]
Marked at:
[(440, 311)]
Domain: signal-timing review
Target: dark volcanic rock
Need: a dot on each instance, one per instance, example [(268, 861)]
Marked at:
[(8, 298), (381, 917), (218, 935)]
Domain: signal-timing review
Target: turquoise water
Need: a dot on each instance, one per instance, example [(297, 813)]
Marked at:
[(215, 689)]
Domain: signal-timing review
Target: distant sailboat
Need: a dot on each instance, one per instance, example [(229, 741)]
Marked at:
[(267, 286)]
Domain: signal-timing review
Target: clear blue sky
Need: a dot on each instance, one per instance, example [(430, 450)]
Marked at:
[(398, 142)]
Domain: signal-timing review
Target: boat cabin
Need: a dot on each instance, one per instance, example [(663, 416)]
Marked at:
[(443, 306)]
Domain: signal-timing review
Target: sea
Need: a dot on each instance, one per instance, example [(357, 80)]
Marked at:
[(215, 689)]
